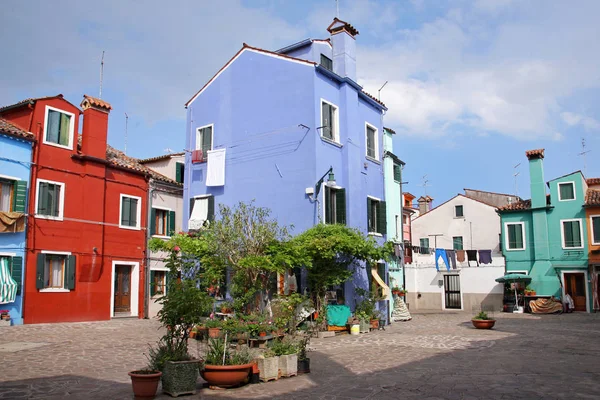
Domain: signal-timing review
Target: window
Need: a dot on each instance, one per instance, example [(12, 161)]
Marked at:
[(335, 206), (371, 137), (202, 209), (458, 211), (424, 245), (55, 271), (6, 195), (130, 212), (515, 234), (204, 136), (50, 199), (329, 121), (179, 172), (326, 62), (14, 266), (158, 281), (571, 234), (162, 222), (376, 216), (59, 128), (566, 191), (457, 243), (397, 172), (595, 224)]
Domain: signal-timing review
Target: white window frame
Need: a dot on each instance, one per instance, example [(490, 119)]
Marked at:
[(567, 183), (376, 139), (592, 229), (56, 253), (167, 210), (562, 233), (336, 126), (61, 208), (322, 196), (138, 212), (71, 128), (374, 233), (212, 137), (506, 239)]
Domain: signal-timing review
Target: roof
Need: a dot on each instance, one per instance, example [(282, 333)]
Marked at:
[(428, 198), (485, 191), (537, 153), (521, 205), (593, 181), (338, 25), (592, 197), (450, 199), (374, 99), (409, 194), (158, 158), (95, 102), (301, 44), (390, 130), (565, 175), (394, 157), (12, 130), (30, 101)]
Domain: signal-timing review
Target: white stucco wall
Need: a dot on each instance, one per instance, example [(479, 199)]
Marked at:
[(166, 167), (480, 226)]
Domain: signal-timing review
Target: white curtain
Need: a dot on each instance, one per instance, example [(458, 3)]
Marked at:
[(199, 213), (54, 272), (5, 190)]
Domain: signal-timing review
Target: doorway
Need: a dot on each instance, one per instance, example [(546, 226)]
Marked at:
[(125, 289), (122, 300), (452, 292), (575, 286)]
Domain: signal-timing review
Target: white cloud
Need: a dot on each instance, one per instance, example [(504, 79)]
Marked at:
[(573, 119)]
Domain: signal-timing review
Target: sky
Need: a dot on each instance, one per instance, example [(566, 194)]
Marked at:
[(471, 85)]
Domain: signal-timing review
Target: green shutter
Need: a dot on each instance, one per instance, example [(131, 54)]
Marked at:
[(152, 284), (19, 196), (596, 229), (457, 243), (397, 173), (369, 215), (518, 237), (179, 170), (153, 221), (206, 140), (70, 272), (382, 218), (39, 272), (42, 195), (133, 212), (572, 234), (191, 205), (211, 208), (171, 223), (63, 138), (327, 205), (340, 206), (125, 211), (566, 191), (15, 265), (167, 281)]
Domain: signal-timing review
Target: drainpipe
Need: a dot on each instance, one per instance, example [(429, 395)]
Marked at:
[(147, 261)]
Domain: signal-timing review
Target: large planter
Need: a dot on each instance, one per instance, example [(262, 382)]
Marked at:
[(179, 377), (226, 376), (304, 366), (144, 384), (483, 323), (374, 324), (365, 326), (269, 368), (214, 333), (288, 365)]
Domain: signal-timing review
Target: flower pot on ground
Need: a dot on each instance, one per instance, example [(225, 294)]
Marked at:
[(180, 377), (374, 324), (482, 321), (304, 366), (365, 326), (214, 333), (269, 367), (224, 367), (262, 334), (288, 365), (144, 383)]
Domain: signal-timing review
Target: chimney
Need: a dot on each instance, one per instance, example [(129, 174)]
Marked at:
[(424, 204), (344, 48), (536, 177), (95, 126)]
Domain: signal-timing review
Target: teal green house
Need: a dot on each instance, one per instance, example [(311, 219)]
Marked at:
[(545, 237)]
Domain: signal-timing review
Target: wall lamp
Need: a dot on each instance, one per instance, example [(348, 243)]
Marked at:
[(330, 182)]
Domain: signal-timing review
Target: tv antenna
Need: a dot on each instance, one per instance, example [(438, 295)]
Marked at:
[(337, 8), (425, 184), (126, 123), (515, 175), (379, 91), (168, 150), (583, 153), (101, 73)]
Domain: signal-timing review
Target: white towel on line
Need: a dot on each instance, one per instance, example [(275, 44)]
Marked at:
[(215, 173)]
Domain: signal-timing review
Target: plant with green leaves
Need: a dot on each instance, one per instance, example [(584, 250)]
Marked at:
[(285, 346), (366, 308), (482, 316), (218, 353)]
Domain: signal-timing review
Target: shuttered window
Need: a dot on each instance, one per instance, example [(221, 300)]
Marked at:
[(571, 234), (204, 139), (397, 172), (6, 195), (566, 191), (49, 199), (157, 283), (376, 216), (162, 222), (15, 266), (328, 121), (458, 211), (179, 172), (457, 243), (514, 233), (424, 245), (58, 128), (326, 62), (55, 271), (335, 206), (130, 213), (596, 230), (371, 142)]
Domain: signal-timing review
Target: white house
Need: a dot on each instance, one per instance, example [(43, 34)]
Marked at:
[(463, 223)]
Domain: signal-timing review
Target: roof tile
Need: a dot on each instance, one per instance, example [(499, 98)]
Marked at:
[(95, 102), (592, 197), (13, 130), (518, 206), (158, 158), (537, 153), (593, 181)]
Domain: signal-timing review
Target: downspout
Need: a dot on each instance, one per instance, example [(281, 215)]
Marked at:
[(147, 261), (27, 216)]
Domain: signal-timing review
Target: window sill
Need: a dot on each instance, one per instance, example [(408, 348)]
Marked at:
[(54, 290), (515, 249), (332, 142), (377, 234), (161, 237), (60, 146), (131, 228), (373, 160), (572, 248), (455, 217), (49, 217)]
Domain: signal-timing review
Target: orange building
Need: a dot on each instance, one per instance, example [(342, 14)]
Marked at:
[(592, 213)]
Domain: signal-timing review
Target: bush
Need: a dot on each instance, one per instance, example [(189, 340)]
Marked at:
[(284, 347)]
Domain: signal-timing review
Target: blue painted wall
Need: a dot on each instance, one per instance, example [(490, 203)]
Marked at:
[(15, 158)]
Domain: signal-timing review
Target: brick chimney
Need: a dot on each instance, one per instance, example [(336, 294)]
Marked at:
[(344, 48), (95, 126), (424, 204)]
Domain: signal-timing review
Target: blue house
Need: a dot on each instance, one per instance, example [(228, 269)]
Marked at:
[(279, 127), (15, 160)]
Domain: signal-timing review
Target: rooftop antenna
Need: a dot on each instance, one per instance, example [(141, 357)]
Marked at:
[(168, 150), (425, 184), (516, 174), (337, 8), (583, 153), (379, 91), (101, 74), (126, 122)]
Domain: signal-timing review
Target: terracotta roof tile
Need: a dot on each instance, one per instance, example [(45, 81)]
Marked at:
[(346, 26), (373, 98), (518, 206), (592, 197), (93, 101), (593, 181), (28, 101), (158, 158), (537, 153), (13, 130)]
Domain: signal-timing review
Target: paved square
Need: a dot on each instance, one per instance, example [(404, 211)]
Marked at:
[(434, 356)]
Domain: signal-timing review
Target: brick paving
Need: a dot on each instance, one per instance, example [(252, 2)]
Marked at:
[(437, 355)]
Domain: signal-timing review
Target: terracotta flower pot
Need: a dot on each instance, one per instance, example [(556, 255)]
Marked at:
[(214, 333), (483, 323), (262, 334), (144, 384), (226, 375), (374, 324)]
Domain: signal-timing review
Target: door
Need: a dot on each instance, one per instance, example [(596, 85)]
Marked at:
[(575, 286), (452, 291), (122, 288)]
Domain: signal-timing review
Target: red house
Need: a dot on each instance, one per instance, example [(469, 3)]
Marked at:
[(87, 216)]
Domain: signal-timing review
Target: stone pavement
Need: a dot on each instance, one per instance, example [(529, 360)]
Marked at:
[(437, 355)]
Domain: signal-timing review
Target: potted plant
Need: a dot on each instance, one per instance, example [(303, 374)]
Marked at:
[(375, 319), (144, 382), (226, 307), (225, 368), (288, 356), (303, 360), (4, 318), (268, 365), (482, 321), (365, 309), (214, 328)]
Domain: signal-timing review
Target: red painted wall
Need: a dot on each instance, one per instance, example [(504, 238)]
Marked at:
[(90, 226)]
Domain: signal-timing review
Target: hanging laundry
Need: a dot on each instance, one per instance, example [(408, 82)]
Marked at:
[(472, 256), (452, 257), (215, 172), (460, 255), (441, 253), (397, 250), (485, 256)]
